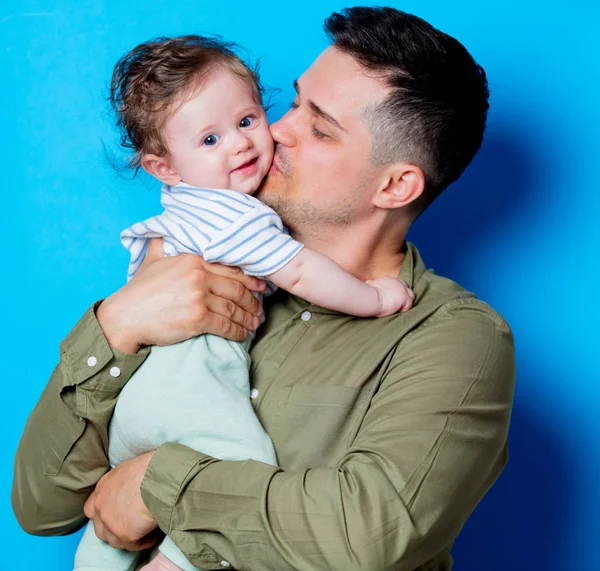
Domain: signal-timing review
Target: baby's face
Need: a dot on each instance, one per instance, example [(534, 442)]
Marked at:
[(220, 137)]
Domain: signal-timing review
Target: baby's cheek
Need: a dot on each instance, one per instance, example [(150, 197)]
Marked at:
[(210, 172), (267, 145)]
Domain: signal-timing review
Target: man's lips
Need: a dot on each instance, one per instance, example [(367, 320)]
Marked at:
[(274, 166), (249, 167)]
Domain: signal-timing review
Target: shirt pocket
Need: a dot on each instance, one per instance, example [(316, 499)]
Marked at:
[(314, 425), (67, 435)]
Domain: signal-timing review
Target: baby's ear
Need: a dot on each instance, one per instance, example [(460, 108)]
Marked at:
[(160, 168)]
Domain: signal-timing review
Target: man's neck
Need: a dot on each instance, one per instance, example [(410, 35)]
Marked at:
[(365, 250)]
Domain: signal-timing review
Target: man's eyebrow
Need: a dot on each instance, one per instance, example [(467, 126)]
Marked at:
[(320, 112)]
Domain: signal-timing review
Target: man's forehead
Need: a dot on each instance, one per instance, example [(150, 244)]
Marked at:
[(337, 79)]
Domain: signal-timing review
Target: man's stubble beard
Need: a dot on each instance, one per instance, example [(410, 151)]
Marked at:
[(306, 218), (302, 217)]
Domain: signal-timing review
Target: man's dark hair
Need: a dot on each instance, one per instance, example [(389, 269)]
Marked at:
[(435, 114)]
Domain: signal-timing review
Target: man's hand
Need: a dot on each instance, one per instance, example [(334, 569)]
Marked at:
[(120, 516), (175, 298)]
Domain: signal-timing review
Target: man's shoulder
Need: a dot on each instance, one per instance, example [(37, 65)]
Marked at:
[(438, 296), (444, 299), (452, 333)]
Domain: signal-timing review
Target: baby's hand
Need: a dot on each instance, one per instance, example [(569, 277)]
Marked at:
[(394, 295), (161, 563)]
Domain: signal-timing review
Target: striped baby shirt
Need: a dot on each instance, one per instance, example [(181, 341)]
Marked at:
[(222, 226)]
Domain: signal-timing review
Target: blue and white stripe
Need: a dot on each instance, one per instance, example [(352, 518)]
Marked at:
[(220, 225)]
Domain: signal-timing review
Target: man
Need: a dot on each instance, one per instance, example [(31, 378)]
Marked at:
[(388, 431)]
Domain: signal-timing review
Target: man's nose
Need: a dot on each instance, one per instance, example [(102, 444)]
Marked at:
[(283, 132)]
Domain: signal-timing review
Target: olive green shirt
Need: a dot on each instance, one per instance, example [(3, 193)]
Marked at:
[(388, 433)]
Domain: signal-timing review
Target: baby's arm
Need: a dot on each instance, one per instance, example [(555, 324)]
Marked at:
[(321, 281)]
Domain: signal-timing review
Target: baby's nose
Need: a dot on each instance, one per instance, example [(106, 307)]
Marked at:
[(241, 143)]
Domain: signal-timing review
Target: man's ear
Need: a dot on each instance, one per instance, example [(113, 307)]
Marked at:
[(401, 184), (160, 168)]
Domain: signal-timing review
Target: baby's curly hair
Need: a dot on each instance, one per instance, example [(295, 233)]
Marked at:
[(154, 79)]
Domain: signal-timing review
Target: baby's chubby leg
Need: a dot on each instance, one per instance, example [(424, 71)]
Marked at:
[(93, 554), (161, 563)]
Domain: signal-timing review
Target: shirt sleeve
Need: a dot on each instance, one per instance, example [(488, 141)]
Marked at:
[(257, 242), (433, 441), (64, 448)]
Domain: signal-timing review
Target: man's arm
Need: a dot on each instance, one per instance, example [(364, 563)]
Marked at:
[(432, 443), (48, 490), (63, 450)]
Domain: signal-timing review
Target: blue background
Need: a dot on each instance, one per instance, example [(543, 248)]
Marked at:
[(520, 229)]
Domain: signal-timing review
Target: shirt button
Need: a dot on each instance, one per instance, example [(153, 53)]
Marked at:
[(92, 361), (253, 393), (306, 316), (115, 371), (225, 563)]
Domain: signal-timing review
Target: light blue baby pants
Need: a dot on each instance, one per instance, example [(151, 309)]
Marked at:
[(197, 393)]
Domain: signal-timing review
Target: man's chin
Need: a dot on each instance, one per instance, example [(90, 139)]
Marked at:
[(272, 185)]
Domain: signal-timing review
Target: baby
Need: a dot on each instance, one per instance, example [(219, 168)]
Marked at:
[(192, 113)]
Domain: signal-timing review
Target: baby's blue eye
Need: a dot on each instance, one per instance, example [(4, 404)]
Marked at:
[(247, 121), (211, 140)]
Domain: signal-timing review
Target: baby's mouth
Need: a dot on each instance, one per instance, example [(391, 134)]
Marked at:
[(247, 167)]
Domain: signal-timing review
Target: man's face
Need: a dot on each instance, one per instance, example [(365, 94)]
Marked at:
[(321, 171)]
